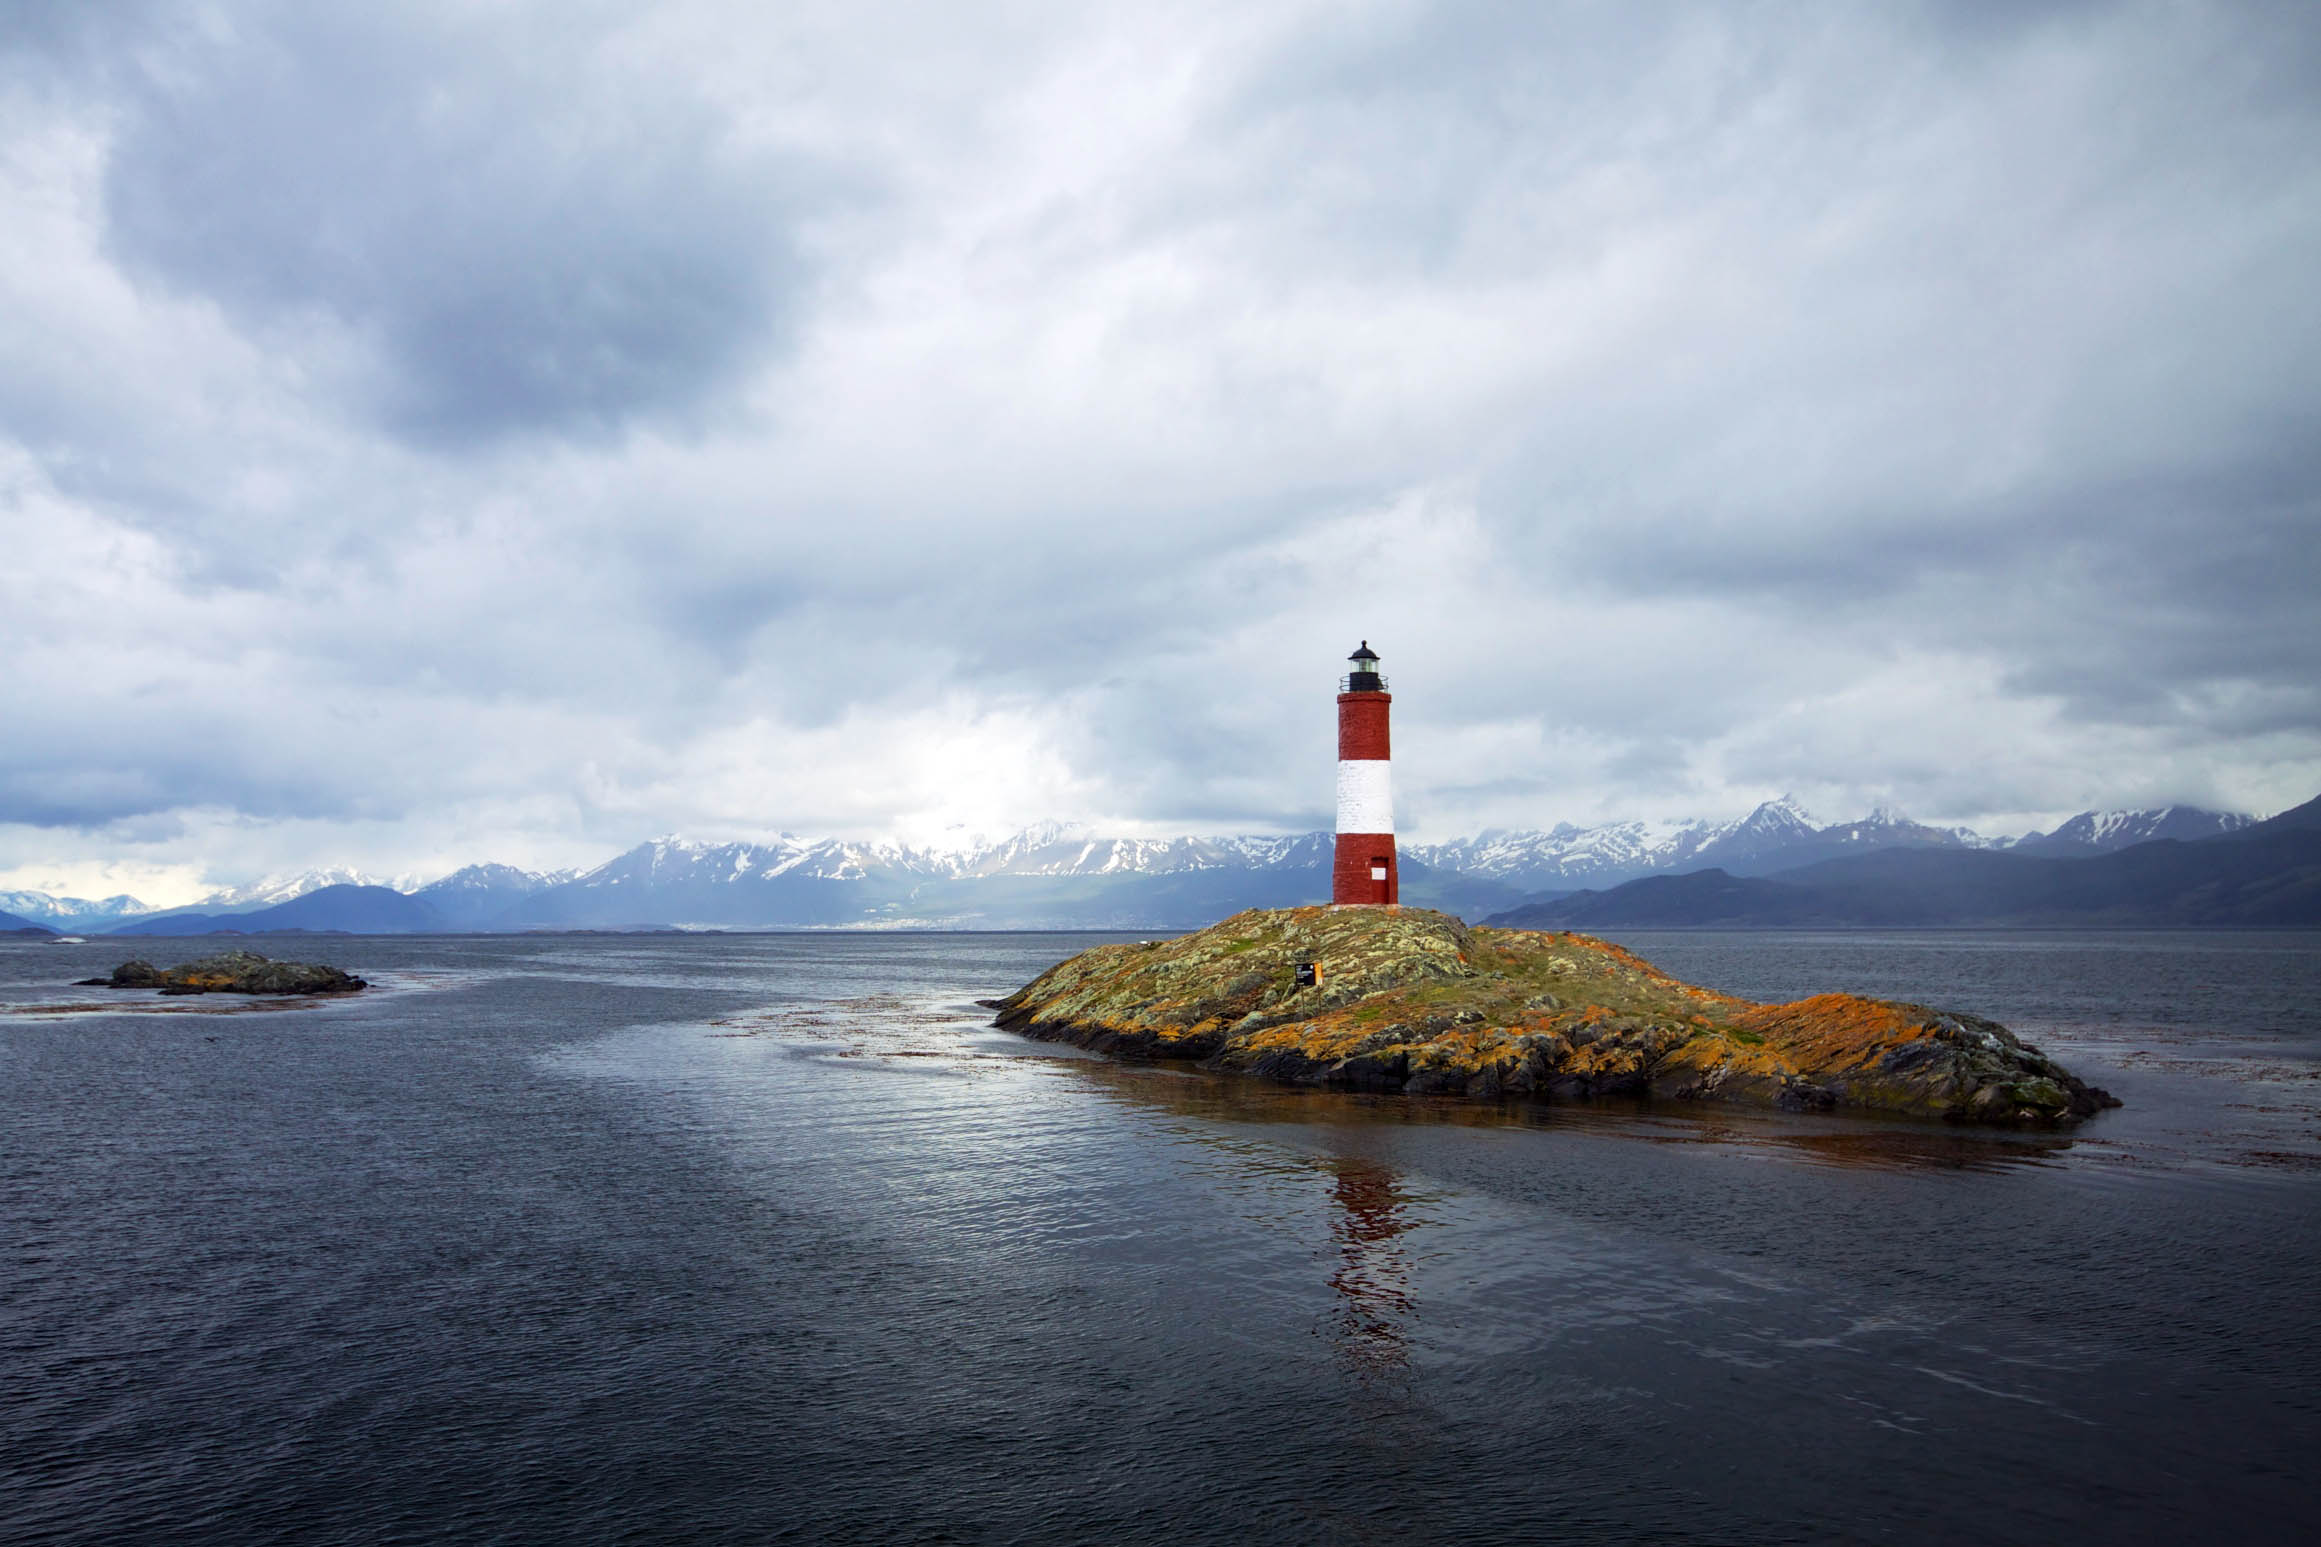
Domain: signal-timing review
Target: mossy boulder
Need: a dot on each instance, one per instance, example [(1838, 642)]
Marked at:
[(232, 972), (1412, 1000)]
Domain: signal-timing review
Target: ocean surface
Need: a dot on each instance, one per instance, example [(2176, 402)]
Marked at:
[(771, 1239)]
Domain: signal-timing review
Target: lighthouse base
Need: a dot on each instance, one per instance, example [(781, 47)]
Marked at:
[(1364, 870)]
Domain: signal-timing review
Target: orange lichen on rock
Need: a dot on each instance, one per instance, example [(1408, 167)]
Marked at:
[(1834, 1029), (1418, 1001)]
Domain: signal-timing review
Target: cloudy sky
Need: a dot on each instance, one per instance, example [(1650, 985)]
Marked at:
[(445, 431)]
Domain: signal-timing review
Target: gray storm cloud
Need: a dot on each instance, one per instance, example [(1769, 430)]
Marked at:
[(526, 236), (435, 431)]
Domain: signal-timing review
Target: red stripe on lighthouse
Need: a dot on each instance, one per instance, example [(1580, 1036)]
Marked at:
[(1362, 727), (1354, 870)]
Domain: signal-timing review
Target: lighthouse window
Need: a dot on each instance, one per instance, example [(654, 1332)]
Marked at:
[(1378, 872)]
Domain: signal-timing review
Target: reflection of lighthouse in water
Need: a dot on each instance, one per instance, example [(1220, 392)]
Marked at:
[(1363, 870), (1373, 1277)]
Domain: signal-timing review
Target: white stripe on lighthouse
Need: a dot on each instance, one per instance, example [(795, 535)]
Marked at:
[(1365, 796)]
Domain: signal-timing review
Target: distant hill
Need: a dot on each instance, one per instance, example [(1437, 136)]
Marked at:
[(2268, 875), (354, 910), (10, 924), (1696, 898), (184, 924)]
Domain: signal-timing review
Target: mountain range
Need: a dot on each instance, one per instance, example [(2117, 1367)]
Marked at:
[(1058, 876), (1779, 835), (2253, 874)]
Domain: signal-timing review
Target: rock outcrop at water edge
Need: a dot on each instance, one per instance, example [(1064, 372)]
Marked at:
[(1417, 1001)]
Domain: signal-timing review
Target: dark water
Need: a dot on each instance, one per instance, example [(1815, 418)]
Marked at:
[(767, 1239)]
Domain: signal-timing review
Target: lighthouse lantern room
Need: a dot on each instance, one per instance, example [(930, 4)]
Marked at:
[(1363, 870)]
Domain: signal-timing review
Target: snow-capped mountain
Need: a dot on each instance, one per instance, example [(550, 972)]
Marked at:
[(1051, 876), (1063, 875), (673, 860), (475, 896), (1887, 828), (1784, 846), (1071, 850), (288, 885), (1778, 835), (1775, 826), (493, 878), (2100, 832), (1066, 876), (1051, 849), (71, 913), (1568, 855)]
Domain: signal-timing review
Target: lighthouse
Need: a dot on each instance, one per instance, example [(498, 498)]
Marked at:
[(1363, 870)]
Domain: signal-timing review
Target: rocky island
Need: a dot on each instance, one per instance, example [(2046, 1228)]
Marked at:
[(231, 972), (1404, 999)]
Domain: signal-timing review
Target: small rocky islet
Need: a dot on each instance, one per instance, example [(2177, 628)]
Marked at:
[(1406, 999), (231, 972)]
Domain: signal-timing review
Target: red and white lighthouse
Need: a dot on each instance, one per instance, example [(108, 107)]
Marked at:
[(1364, 870)]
